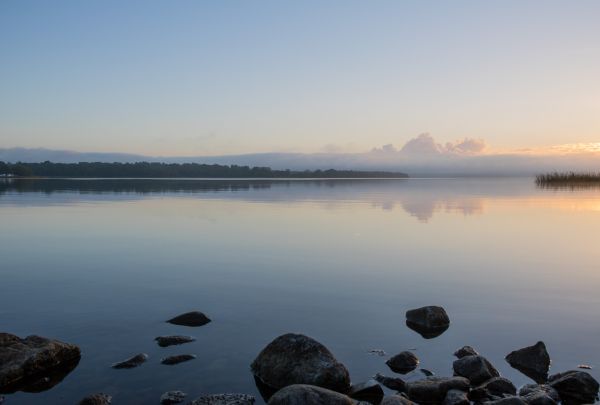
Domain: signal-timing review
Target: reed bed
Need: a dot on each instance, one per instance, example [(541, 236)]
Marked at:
[(568, 180)]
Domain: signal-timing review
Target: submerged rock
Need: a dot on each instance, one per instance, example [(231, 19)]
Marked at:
[(456, 397), (465, 351), (575, 386), (180, 358), (165, 341), (476, 369), (434, 389), (368, 391), (172, 397), (298, 359), (403, 362), (96, 399), (494, 387), (224, 399), (35, 363), (429, 321), (533, 361), (132, 362), (302, 394), (194, 318), (427, 373), (393, 383)]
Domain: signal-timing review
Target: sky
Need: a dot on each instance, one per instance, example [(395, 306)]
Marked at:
[(185, 78)]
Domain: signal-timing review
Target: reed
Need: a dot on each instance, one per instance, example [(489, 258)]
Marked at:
[(568, 179)]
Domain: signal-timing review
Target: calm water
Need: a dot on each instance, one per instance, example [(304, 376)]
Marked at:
[(102, 263)]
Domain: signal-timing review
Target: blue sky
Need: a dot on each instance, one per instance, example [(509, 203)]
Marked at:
[(200, 78)]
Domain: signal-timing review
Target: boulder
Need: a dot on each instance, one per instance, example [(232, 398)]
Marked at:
[(172, 397), (506, 401), (533, 361), (434, 389), (35, 363), (180, 358), (395, 384), (96, 399), (456, 397), (429, 321), (465, 351), (368, 391), (194, 318), (494, 387), (536, 392), (403, 362), (396, 400), (132, 362), (476, 369), (575, 387), (297, 359), (224, 399), (165, 341), (302, 394)]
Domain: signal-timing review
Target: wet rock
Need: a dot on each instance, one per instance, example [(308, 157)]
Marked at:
[(533, 361), (396, 384), (368, 391), (506, 401), (429, 321), (194, 318), (494, 387), (1, 399), (476, 369), (538, 398), (575, 387), (165, 341), (132, 362), (224, 399), (539, 389), (298, 359), (465, 351), (396, 400), (434, 389), (96, 399), (35, 363), (180, 358), (456, 397), (301, 394), (427, 372), (403, 362), (172, 397)]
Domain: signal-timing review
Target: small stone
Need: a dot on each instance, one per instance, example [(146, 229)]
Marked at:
[(224, 399), (403, 362), (465, 351), (180, 358), (585, 366), (132, 362), (429, 321), (575, 386), (172, 397), (194, 318), (368, 391), (476, 369), (456, 397), (165, 341), (96, 399), (393, 383), (427, 372), (533, 361)]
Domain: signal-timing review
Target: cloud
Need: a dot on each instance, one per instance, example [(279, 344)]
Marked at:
[(426, 145), (467, 146), (423, 144)]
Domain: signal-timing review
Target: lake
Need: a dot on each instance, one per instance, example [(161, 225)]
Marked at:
[(103, 263)]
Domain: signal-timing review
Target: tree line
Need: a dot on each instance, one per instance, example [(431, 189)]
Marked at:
[(174, 170)]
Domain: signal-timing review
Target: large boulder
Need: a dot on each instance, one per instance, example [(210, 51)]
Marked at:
[(429, 321), (533, 361), (224, 399), (476, 369), (298, 359), (575, 387), (302, 394), (433, 390), (34, 363), (403, 362)]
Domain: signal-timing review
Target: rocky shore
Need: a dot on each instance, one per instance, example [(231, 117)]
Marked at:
[(295, 369)]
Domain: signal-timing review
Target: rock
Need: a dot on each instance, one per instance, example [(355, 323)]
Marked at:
[(165, 341), (34, 363), (302, 394), (506, 401), (494, 387), (575, 387), (396, 400), (434, 389), (456, 397), (180, 358), (427, 372), (96, 399), (368, 391), (396, 384), (538, 398), (533, 361), (465, 351), (132, 362), (298, 359), (1, 399), (403, 362), (194, 318), (224, 399), (429, 322), (172, 397), (537, 389), (476, 369)]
